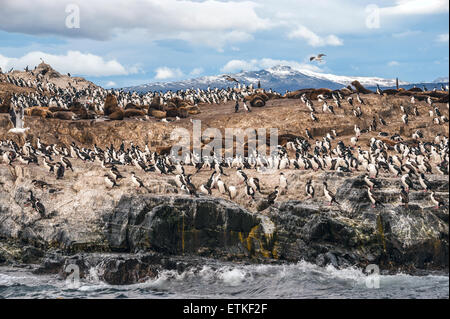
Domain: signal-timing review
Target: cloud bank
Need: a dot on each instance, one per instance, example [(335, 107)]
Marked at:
[(73, 62)]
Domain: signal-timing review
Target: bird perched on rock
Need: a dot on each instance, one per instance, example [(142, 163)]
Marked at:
[(247, 108), (375, 202), (115, 173), (273, 196), (67, 164), (254, 183), (328, 194), (241, 175), (371, 182), (250, 191), (138, 182), (405, 119), (309, 189), (110, 182), (205, 189), (36, 204), (406, 181), (283, 183), (438, 202), (40, 184), (404, 196), (232, 192), (60, 171), (191, 188), (424, 182)]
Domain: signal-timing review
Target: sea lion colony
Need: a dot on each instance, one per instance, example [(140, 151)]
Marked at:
[(300, 168), (51, 95)]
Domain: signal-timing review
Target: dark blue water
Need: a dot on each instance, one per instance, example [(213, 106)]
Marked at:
[(302, 280)]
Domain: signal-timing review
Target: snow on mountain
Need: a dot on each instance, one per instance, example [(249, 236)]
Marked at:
[(441, 80), (278, 78), (347, 80)]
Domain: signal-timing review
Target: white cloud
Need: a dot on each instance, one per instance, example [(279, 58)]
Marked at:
[(74, 62), (416, 7), (346, 17), (165, 73), (190, 20), (215, 23), (196, 72), (393, 63), (215, 40), (259, 64), (110, 84), (302, 32), (443, 38)]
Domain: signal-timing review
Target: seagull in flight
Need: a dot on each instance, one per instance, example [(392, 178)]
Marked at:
[(317, 58), (229, 78), (16, 117)]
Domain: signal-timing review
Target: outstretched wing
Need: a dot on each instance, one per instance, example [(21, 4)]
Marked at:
[(321, 55), (229, 78), (13, 116), (312, 58)]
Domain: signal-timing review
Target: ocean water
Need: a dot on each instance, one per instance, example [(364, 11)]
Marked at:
[(219, 280)]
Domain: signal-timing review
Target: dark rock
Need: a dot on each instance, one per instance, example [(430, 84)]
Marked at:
[(183, 227), (31, 255)]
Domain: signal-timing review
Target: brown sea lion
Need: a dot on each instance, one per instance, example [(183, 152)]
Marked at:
[(67, 116), (133, 113), (117, 115)]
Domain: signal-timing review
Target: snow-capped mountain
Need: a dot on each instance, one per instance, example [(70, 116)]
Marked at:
[(441, 80), (278, 78)]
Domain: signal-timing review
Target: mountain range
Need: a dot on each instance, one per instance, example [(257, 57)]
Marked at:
[(278, 78)]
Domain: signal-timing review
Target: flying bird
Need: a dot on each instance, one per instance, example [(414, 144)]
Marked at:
[(317, 58), (229, 78)]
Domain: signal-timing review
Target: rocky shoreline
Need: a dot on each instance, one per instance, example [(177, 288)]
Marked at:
[(129, 237)]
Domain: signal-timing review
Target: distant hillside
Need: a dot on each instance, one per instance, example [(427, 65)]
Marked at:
[(441, 80), (278, 78)]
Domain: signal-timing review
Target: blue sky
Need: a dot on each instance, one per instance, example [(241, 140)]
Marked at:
[(123, 43)]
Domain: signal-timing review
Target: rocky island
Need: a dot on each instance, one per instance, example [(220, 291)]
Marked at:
[(129, 234)]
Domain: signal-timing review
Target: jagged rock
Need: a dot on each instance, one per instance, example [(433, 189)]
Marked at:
[(161, 227)]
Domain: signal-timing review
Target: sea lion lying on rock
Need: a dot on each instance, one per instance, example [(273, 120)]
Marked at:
[(133, 113), (360, 88), (181, 112), (157, 113), (117, 115), (38, 111), (67, 116), (311, 94), (193, 110)]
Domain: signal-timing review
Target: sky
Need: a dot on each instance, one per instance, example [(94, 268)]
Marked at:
[(118, 43)]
